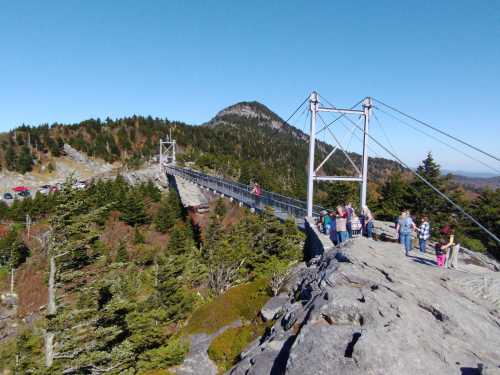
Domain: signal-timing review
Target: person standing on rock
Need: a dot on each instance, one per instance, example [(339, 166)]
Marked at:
[(405, 228), (452, 258), (368, 220), (341, 224), (350, 215), (440, 248), (424, 232), (333, 228)]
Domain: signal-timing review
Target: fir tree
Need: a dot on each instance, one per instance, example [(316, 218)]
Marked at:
[(394, 196), (181, 240), (138, 236), (121, 252), (168, 213), (25, 160), (134, 210)]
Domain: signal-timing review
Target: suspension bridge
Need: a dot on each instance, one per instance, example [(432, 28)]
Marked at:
[(366, 109)]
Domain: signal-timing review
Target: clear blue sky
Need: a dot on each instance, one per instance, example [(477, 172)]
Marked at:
[(70, 60)]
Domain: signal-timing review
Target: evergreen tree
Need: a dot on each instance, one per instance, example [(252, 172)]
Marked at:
[(11, 159), (138, 236), (394, 196), (121, 252), (424, 200), (133, 209), (181, 240), (169, 212), (25, 160), (170, 291), (220, 208), (486, 208)]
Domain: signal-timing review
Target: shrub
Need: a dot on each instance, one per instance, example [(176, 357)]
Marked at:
[(168, 355), (473, 244), (241, 302), (225, 349)]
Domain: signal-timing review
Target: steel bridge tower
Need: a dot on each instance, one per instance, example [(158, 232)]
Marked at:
[(362, 177)]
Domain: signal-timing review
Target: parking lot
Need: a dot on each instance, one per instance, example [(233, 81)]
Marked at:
[(22, 192)]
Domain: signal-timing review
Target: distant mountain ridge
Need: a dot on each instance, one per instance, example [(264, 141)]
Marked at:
[(477, 183)]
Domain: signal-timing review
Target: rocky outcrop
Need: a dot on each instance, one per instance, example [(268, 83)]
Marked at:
[(8, 311), (197, 361), (368, 309)]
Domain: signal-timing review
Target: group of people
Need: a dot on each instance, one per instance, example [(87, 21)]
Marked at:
[(446, 249), (342, 223)]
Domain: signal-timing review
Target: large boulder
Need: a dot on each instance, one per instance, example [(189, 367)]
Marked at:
[(368, 309)]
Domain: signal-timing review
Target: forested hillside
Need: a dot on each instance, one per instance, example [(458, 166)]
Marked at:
[(245, 141), (114, 278)]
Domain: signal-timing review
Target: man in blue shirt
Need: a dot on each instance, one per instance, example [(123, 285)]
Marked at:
[(405, 227)]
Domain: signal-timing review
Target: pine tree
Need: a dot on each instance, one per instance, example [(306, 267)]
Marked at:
[(25, 160), (11, 159), (170, 291), (138, 236), (181, 240), (134, 210), (169, 212), (220, 208), (121, 252), (424, 200), (394, 196)]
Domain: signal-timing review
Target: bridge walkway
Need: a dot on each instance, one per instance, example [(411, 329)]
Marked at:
[(284, 207)]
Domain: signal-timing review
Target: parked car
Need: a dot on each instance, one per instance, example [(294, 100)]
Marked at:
[(24, 194), (7, 196), (45, 189), (79, 185)]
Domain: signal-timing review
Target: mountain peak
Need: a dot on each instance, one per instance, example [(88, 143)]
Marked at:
[(253, 110)]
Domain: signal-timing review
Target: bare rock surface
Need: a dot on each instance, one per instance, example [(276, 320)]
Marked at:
[(368, 309), (197, 361)]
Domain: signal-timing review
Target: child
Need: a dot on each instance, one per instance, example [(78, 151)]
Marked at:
[(440, 248)]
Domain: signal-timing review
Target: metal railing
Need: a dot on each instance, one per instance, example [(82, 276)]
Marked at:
[(283, 206)]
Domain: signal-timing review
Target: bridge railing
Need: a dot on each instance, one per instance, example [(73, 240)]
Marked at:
[(283, 206)]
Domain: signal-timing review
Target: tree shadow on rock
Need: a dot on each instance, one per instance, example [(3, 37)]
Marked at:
[(279, 365)]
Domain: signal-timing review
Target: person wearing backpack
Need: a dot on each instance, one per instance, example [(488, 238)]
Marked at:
[(405, 228), (424, 232)]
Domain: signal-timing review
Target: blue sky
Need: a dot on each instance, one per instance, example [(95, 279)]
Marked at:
[(70, 60)]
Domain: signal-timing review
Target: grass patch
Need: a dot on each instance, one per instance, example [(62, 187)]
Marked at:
[(4, 278), (226, 348), (241, 302)]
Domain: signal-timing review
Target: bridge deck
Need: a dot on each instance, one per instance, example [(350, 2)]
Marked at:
[(284, 207)]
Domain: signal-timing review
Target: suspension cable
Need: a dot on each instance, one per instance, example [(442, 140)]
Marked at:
[(436, 139), (338, 143), (439, 192), (383, 131), (438, 130), (340, 116), (296, 110)]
